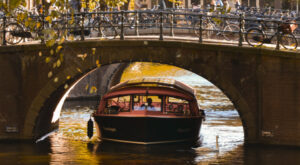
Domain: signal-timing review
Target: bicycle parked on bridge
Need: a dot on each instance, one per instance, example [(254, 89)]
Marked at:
[(18, 30), (98, 23), (257, 36), (105, 27), (224, 28)]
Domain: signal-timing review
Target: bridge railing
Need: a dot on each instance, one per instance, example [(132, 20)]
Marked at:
[(203, 26)]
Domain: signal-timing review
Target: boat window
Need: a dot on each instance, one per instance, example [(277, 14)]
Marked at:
[(122, 102), (136, 98), (149, 103), (177, 100), (177, 105)]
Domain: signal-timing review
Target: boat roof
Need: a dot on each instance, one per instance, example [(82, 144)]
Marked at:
[(155, 82)]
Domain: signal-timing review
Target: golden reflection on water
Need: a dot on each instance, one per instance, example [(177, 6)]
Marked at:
[(69, 151)]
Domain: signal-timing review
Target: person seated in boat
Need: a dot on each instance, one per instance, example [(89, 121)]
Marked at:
[(149, 105)]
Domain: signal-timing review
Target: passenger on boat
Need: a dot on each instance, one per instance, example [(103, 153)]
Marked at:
[(149, 105)]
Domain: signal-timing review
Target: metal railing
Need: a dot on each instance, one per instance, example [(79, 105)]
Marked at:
[(203, 26)]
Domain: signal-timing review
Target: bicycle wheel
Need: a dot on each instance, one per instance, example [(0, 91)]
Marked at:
[(12, 30), (273, 39), (288, 41), (231, 32), (207, 30), (105, 29), (129, 22), (255, 37)]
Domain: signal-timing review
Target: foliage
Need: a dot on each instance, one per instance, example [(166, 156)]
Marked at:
[(176, 2), (13, 4), (60, 5), (50, 30), (115, 3)]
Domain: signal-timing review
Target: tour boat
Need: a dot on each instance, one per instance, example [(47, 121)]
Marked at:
[(149, 111)]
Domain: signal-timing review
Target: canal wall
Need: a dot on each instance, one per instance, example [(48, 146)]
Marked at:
[(88, 91)]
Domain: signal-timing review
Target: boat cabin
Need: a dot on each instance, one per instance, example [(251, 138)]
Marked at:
[(150, 97)]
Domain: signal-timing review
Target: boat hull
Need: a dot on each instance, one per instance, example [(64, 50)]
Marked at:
[(148, 130)]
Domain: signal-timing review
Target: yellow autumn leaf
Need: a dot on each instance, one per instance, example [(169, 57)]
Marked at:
[(55, 79), (87, 87), (98, 63), (50, 74), (93, 51), (71, 21), (51, 52), (40, 53), (48, 18), (38, 25), (50, 43), (61, 57), (48, 59), (79, 70), (22, 16), (68, 77), (66, 86), (54, 65), (58, 48), (26, 23), (82, 56), (93, 89), (58, 63), (18, 17)]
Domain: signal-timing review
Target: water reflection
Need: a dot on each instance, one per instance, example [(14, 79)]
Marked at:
[(24, 153), (57, 150), (114, 153), (70, 151)]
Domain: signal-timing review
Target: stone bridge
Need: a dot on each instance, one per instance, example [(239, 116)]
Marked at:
[(263, 84)]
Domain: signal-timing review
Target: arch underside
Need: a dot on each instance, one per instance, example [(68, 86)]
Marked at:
[(109, 75)]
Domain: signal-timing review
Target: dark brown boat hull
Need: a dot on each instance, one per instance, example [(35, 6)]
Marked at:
[(148, 130)]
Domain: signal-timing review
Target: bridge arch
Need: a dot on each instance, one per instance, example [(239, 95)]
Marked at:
[(206, 62)]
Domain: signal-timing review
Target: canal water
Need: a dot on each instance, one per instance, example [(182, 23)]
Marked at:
[(70, 145)]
